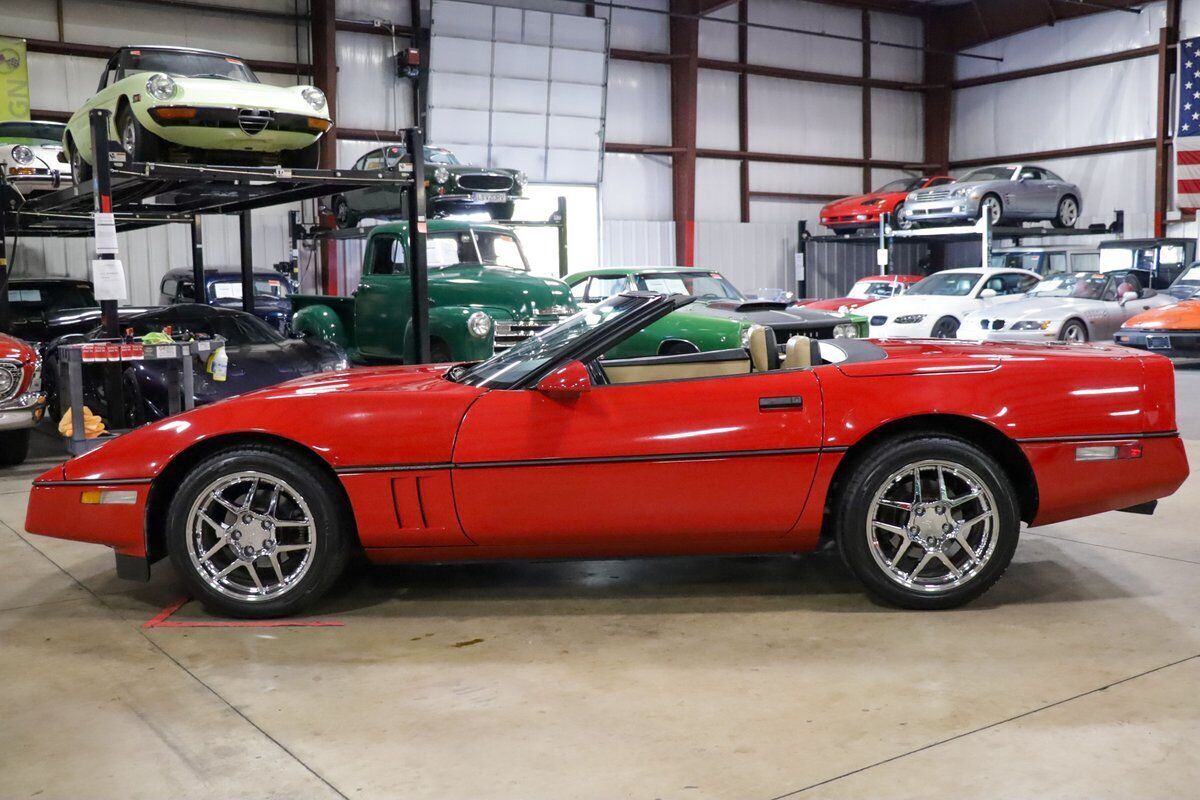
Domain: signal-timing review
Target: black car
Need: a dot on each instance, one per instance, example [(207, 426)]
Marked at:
[(41, 309), (223, 289), (452, 188), (258, 357)]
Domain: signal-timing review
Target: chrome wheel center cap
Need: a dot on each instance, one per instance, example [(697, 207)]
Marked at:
[(253, 537), (932, 524)]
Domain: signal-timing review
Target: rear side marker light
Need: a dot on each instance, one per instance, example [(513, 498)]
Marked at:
[(1108, 452), (95, 497)]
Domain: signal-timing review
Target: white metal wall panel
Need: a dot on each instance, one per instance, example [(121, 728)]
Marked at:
[(1095, 34), (799, 51), (717, 109), (718, 190), (522, 88), (798, 117), (639, 103), (1096, 105), (62, 83), (896, 63), (1112, 181), (633, 243), (897, 125), (719, 39), (31, 20), (369, 93), (752, 255), (636, 187), (783, 211), (637, 30), (806, 178), (392, 11)]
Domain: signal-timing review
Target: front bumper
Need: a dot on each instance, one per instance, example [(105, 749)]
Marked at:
[(943, 209), (1173, 344), (974, 332), (230, 128), (851, 220), (42, 180), (58, 509), (23, 411)]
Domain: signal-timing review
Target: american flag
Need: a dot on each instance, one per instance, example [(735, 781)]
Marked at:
[(1187, 134)]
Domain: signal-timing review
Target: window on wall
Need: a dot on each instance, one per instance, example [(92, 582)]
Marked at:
[(583, 227)]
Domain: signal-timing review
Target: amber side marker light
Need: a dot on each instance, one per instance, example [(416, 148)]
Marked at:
[(97, 497), (1108, 452), (173, 113), (318, 124)]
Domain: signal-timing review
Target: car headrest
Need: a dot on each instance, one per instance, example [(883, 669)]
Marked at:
[(799, 353), (764, 352)]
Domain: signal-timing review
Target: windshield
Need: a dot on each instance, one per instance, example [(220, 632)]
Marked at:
[(950, 284), (235, 328), (474, 246), (900, 185), (1187, 285), (1081, 285), (33, 299), (31, 133), (867, 290), (705, 285), (1029, 261), (436, 155), (231, 288), (184, 64), (510, 367), (988, 174)]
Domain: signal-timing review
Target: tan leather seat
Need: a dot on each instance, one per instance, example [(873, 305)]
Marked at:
[(798, 354), (764, 352)]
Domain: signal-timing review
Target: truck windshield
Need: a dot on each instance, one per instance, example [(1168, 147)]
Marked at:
[(494, 248)]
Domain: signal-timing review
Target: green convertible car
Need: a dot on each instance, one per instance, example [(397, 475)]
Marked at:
[(720, 319), (182, 104)]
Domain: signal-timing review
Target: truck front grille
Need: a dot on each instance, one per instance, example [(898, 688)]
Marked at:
[(485, 182), (513, 332)]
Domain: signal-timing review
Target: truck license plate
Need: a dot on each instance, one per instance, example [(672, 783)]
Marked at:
[(489, 197)]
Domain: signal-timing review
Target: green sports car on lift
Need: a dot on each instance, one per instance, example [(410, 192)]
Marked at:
[(720, 319), (180, 104)]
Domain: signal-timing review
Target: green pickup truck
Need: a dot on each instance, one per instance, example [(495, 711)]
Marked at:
[(482, 297)]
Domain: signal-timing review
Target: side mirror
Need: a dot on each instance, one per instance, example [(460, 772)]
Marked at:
[(569, 380), (986, 293), (1128, 296)]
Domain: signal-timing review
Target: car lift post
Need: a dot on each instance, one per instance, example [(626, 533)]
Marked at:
[(199, 291), (3, 256), (561, 218), (414, 141), (102, 204), (246, 239)]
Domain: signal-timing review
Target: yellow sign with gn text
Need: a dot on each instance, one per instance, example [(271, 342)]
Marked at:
[(14, 80)]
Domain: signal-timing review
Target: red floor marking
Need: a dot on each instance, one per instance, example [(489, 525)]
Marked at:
[(162, 620)]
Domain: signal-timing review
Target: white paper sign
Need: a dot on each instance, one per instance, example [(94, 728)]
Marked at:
[(108, 278), (881, 257), (106, 233)]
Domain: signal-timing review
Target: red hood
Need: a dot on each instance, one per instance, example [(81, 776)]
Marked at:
[(15, 349), (833, 304)]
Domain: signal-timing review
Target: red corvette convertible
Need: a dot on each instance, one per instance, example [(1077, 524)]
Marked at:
[(921, 458), (863, 211)]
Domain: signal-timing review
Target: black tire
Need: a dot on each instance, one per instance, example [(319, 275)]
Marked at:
[(342, 215), (1073, 330), (331, 529), (899, 221), (502, 210), (138, 143), (135, 403), (992, 204), (945, 328), (81, 171), (14, 447), (872, 473), (304, 158), (1068, 212), (439, 352)]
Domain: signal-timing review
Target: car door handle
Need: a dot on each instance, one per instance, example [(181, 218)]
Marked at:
[(780, 403)]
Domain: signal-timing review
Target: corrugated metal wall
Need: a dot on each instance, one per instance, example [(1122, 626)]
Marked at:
[(832, 266)]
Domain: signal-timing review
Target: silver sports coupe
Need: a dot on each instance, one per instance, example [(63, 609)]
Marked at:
[(1069, 307), (1011, 193)]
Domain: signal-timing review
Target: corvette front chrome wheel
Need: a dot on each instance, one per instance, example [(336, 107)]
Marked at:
[(927, 521), (258, 531)]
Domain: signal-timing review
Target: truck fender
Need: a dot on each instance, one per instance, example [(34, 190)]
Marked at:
[(448, 324), (321, 322)]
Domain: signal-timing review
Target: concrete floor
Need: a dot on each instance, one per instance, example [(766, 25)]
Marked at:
[(1076, 676)]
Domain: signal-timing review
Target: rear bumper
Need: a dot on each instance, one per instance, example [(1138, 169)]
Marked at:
[(1173, 344), (1068, 488), (57, 509)]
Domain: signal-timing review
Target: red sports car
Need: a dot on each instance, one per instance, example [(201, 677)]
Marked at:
[(22, 402), (921, 458), (854, 213), (864, 292)]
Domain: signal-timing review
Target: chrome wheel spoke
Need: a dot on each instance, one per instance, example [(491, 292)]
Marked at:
[(290, 548), (901, 551), (227, 570), (258, 584), (216, 548), (942, 494), (955, 571), (959, 501), (966, 547), (896, 529), (273, 504), (289, 523), (221, 501), (921, 565), (275, 566), (897, 504), (916, 477)]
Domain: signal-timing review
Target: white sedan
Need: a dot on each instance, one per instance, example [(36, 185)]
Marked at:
[(935, 307), (31, 155), (1071, 306)]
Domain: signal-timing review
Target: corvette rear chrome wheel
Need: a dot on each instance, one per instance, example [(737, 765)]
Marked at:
[(258, 530), (932, 526), (253, 536)]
